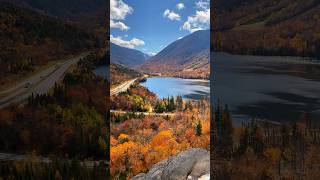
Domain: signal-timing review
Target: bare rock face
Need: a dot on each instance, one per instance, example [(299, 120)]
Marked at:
[(193, 164)]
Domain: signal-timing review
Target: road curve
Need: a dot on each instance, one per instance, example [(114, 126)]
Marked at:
[(122, 87), (39, 83)]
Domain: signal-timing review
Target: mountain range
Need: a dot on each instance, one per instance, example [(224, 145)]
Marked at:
[(188, 54), (126, 56)]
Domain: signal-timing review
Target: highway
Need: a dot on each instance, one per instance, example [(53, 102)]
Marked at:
[(39, 83), (122, 87), (40, 159), (144, 113)]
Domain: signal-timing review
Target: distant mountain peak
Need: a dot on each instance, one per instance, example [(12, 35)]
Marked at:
[(126, 56), (180, 53)]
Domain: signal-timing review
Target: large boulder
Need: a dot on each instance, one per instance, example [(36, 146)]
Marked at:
[(193, 164)]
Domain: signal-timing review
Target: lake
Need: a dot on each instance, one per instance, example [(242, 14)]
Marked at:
[(102, 71), (278, 89), (170, 86)]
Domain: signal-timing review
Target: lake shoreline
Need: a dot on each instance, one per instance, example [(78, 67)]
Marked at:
[(291, 59), (164, 86), (193, 79)]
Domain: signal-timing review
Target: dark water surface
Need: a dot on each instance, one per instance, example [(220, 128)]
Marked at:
[(102, 71), (169, 86), (272, 88)]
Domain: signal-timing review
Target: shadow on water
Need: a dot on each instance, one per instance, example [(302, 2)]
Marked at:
[(197, 95), (282, 111), (272, 88)]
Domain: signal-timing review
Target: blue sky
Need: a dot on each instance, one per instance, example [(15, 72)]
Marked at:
[(151, 25)]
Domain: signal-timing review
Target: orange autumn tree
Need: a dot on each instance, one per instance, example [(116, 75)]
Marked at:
[(125, 158), (162, 146), (138, 143)]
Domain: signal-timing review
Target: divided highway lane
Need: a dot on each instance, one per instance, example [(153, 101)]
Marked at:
[(39, 83), (122, 87)]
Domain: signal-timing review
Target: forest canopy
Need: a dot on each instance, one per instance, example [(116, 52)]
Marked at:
[(29, 39)]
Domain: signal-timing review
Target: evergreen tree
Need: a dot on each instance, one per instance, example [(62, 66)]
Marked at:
[(171, 106), (198, 128), (179, 102), (226, 133), (244, 141)]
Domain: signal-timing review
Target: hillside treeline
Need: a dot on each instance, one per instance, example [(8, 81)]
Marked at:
[(283, 27), (29, 39), (67, 122), (264, 150)]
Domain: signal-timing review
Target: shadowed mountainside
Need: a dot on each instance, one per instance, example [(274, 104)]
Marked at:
[(30, 39), (125, 56), (90, 13), (261, 27), (189, 54)]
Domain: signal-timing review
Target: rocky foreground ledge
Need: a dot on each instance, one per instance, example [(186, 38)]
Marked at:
[(193, 164)]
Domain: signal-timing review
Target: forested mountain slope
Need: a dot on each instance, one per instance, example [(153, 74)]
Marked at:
[(89, 12), (120, 74), (189, 54), (29, 39), (262, 27), (126, 56)]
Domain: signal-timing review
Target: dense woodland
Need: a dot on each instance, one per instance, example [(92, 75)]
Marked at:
[(69, 123), (57, 170), (120, 74), (30, 40), (138, 142), (136, 99), (282, 27), (264, 150), (88, 13), (139, 99)]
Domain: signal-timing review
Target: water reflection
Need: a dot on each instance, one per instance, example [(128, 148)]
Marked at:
[(169, 86), (273, 88)]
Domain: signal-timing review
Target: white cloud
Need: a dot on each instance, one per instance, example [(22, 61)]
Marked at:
[(199, 21), (171, 15), (118, 11), (124, 43), (119, 25), (180, 6), (203, 4)]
